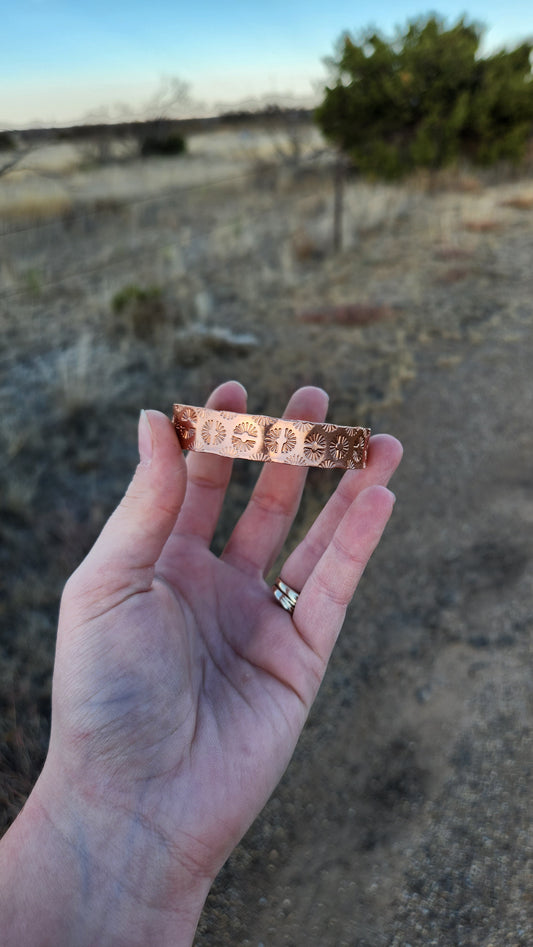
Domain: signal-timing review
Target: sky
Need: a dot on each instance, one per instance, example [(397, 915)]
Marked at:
[(65, 61)]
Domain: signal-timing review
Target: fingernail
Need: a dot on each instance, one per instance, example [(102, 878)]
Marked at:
[(146, 442), (315, 388)]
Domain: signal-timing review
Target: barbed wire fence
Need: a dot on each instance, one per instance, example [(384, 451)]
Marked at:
[(164, 197)]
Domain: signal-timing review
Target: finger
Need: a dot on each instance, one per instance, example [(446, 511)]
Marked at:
[(208, 475), (322, 605), (125, 553), (384, 455), (263, 527)]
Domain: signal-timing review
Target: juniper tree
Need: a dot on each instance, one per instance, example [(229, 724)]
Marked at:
[(426, 97)]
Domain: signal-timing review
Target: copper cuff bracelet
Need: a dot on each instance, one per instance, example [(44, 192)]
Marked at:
[(278, 440)]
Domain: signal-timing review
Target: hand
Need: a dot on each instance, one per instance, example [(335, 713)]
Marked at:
[(180, 684)]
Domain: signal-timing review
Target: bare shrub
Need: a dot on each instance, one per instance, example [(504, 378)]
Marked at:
[(138, 311), (161, 143), (8, 142), (305, 248)]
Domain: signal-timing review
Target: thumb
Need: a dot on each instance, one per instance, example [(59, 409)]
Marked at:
[(132, 540)]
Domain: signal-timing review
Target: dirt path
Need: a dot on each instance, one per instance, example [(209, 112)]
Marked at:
[(405, 817)]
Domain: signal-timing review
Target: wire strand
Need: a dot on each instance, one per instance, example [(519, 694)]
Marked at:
[(84, 213), (144, 249)]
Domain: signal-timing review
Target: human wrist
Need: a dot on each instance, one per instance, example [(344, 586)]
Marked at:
[(72, 874)]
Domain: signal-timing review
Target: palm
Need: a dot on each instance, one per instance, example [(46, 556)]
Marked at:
[(192, 688), (203, 713)]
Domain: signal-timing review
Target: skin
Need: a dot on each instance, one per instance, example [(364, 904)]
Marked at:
[(180, 688)]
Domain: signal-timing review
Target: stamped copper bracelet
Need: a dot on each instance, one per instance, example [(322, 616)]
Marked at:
[(278, 440)]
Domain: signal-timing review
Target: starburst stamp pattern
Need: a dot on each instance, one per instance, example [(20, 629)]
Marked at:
[(272, 440), (244, 436), (262, 438), (213, 432), (186, 427), (339, 447), (289, 441), (280, 439), (304, 426), (315, 447)]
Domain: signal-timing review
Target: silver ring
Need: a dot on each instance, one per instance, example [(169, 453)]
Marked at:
[(284, 595)]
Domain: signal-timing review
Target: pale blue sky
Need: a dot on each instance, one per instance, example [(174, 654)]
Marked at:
[(61, 60)]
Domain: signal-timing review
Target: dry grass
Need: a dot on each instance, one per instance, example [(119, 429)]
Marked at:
[(22, 203), (305, 248), (244, 283), (82, 375), (456, 180)]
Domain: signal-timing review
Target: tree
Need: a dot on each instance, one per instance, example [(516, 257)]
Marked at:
[(426, 98)]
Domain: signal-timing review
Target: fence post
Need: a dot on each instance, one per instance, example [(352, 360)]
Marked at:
[(338, 202)]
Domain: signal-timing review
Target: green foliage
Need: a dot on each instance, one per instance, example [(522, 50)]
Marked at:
[(33, 282), (426, 98), (163, 144), (8, 142), (138, 310)]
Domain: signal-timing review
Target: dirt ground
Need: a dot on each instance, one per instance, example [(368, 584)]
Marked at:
[(405, 815)]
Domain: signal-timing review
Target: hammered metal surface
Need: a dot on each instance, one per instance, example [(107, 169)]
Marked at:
[(277, 440)]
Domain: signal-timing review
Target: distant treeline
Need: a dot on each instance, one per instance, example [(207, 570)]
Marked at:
[(271, 115)]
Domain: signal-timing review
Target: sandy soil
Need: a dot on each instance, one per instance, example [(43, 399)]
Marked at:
[(405, 816)]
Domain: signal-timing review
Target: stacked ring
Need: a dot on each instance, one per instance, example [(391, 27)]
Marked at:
[(286, 596)]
